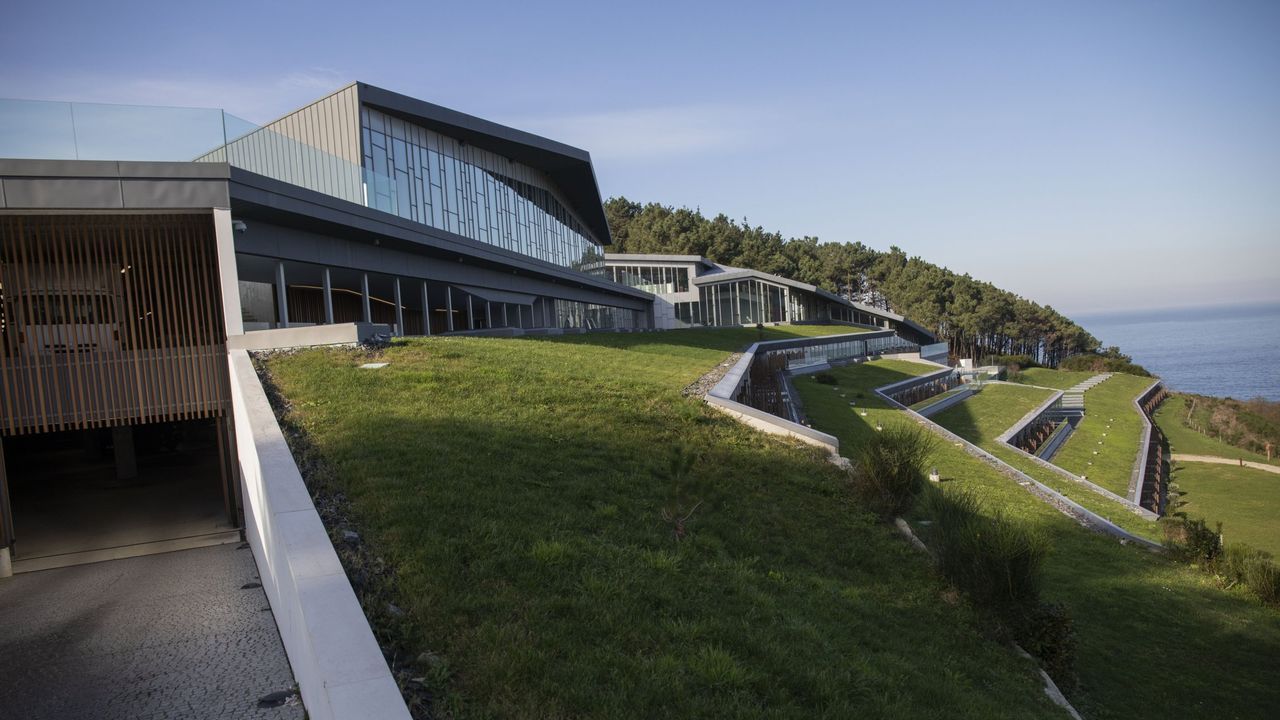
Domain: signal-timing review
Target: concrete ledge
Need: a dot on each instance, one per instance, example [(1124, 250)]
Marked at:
[(965, 393), (773, 424), (307, 336), (1029, 417), (339, 667)]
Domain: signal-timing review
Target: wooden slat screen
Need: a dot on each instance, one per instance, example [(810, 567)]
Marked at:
[(109, 320)]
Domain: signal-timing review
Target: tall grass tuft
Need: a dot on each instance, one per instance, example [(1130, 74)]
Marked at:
[(889, 471), (995, 560)]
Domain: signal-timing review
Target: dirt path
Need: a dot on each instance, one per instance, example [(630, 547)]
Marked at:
[(1226, 461)]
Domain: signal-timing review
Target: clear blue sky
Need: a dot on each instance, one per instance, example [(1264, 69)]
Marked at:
[(1090, 155)]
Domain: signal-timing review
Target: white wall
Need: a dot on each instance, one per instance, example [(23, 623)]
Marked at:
[(340, 670)]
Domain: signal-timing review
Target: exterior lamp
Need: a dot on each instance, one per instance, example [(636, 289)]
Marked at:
[(934, 476), (879, 427)]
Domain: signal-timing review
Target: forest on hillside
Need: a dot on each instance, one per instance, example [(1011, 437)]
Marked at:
[(977, 318)]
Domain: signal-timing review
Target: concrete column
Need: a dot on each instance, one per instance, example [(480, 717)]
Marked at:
[(328, 298), (399, 311), (126, 458), (282, 297), (448, 307), (364, 297), (228, 276), (426, 310), (471, 315)]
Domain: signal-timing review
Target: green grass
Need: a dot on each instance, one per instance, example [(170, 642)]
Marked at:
[(516, 487), (1157, 639), (982, 418), (938, 398), (1056, 379), (1112, 427), (1243, 499), (1183, 439)]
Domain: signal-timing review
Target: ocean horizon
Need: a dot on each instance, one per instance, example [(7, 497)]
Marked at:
[(1222, 350)]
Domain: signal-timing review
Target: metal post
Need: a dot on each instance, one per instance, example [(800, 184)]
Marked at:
[(448, 307), (6, 521), (426, 310), (399, 311), (328, 298), (471, 315), (364, 297), (504, 316), (488, 315), (282, 297)]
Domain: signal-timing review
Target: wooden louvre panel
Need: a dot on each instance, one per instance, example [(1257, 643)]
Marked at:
[(109, 320)]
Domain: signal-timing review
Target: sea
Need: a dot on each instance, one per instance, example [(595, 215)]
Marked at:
[(1227, 351)]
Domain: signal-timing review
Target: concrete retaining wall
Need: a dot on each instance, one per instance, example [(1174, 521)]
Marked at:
[(307, 335), (339, 667), (1137, 475)]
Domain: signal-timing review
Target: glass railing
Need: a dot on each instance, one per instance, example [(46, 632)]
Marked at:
[(38, 129)]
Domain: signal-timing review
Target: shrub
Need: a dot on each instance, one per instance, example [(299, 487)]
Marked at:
[(1263, 577), (1254, 568), (825, 378), (995, 560), (1048, 633), (889, 471), (1192, 540)]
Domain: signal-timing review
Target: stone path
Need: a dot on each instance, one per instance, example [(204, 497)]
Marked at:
[(1179, 457), (163, 636)]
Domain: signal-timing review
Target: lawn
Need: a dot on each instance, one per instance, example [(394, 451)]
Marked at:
[(518, 487), (1111, 428), (984, 417), (1243, 499), (1183, 439), (1056, 379), (1138, 616)]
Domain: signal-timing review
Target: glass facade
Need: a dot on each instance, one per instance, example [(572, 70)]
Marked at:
[(657, 279), (744, 302), (439, 181), (573, 314), (842, 350)]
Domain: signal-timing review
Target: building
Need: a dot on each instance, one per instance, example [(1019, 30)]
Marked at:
[(693, 291), (137, 245)]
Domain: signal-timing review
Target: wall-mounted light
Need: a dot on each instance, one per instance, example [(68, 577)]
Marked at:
[(239, 226)]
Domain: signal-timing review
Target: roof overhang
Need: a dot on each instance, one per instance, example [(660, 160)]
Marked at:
[(568, 167)]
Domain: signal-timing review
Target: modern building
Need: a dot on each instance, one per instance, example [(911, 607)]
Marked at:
[(693, 291), (137, 245)]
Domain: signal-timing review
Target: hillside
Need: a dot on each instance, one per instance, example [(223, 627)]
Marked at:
[(550, 564), (975, 317)]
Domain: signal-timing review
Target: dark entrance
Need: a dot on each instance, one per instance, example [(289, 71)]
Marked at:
[(87, 495)]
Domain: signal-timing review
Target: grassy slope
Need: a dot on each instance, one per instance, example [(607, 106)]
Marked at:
[(1057, 379), (1112, 427), (515, 485), (1139, 617), (1244, 500), (982, 418), (1183, 439)]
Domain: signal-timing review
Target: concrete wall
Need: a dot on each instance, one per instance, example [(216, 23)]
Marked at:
[(307, 336), (340, 670)]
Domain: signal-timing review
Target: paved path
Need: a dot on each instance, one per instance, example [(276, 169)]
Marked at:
[(1225, 461), (163, 636)]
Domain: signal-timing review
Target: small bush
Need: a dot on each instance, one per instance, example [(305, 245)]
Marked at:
[(1254, 568), (889, 471), (825, 378), (1048, 633), (1192, 540), (1263, 577), (995, 560)]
